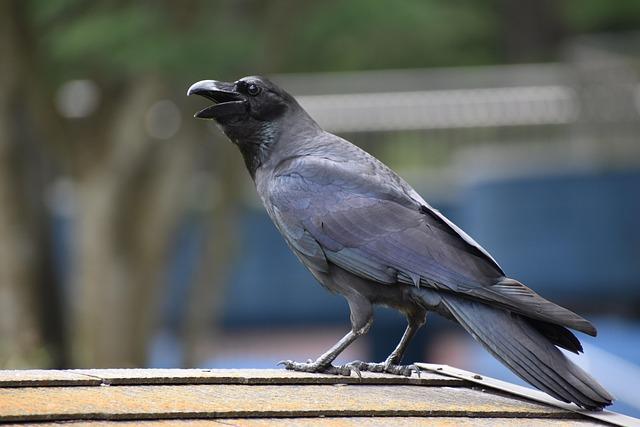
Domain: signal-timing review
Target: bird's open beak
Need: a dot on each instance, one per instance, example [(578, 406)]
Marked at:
[(227, 100)]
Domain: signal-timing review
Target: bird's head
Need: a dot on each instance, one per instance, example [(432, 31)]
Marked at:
[(254, 114), (244, 107)]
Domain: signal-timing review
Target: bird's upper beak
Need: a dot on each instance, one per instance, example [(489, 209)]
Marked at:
[(228, 101)]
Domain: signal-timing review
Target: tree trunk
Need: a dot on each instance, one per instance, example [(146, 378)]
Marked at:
[(129, 204), (219, 225), (24, 240), (531, 29)]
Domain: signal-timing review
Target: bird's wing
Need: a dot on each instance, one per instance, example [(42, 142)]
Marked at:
[(369, 224), (372, 228)]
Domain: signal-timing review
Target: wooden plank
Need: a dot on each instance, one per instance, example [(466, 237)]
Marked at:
[(255, 376), (231, 401), (608, 417), (337, 422), (45, 377)]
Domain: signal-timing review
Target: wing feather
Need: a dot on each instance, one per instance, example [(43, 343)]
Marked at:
[(376, 229)]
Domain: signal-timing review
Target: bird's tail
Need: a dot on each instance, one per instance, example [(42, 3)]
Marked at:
[(526, 352)]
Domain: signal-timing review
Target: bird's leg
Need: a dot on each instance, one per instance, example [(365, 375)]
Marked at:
[(392, 364), (323, 363), (396, 355), (361, 320)]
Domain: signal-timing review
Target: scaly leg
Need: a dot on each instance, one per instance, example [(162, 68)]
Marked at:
[(361, 315), (392, 364), (323, 363)]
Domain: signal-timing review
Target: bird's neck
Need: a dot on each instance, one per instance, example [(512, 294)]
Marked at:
[(272, 141), (254, 155), (297, 137)]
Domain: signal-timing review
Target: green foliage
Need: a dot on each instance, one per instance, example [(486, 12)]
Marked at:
[(111, 39), (584, 16), (348, 35), (191, 38), (115, 37)]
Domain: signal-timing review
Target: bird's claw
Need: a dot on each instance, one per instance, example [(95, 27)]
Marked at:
[(387, 368), (353, 367), (315, 367), (405, 370)]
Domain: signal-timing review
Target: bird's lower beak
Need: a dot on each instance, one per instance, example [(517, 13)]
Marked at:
[(228, 101)]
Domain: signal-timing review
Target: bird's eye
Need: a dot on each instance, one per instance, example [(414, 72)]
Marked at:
[(253, 89)]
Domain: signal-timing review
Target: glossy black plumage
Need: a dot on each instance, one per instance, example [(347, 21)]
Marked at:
[(364, 233)]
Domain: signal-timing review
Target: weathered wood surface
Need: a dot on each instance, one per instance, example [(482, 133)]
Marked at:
[(43, 378), (261, 397), (335, 422), (606, 416), (36, 377), (235, 401)]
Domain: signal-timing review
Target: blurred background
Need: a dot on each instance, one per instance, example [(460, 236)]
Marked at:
[(130, 235)]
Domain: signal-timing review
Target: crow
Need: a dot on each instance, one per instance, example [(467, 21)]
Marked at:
[(366, 234)]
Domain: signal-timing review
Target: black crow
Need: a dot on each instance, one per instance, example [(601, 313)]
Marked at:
[(365, 234)]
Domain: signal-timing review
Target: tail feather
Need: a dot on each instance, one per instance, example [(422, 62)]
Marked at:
[(558, 335), (520, 360), (522, 347), (519, 298)]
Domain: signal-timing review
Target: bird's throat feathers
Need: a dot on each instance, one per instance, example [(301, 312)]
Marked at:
[(258, 141), (255, 144)]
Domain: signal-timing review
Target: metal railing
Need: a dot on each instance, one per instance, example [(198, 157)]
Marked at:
[(496, 96)]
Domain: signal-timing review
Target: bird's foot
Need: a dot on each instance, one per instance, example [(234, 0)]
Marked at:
[(385, 367), (317, 367)]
